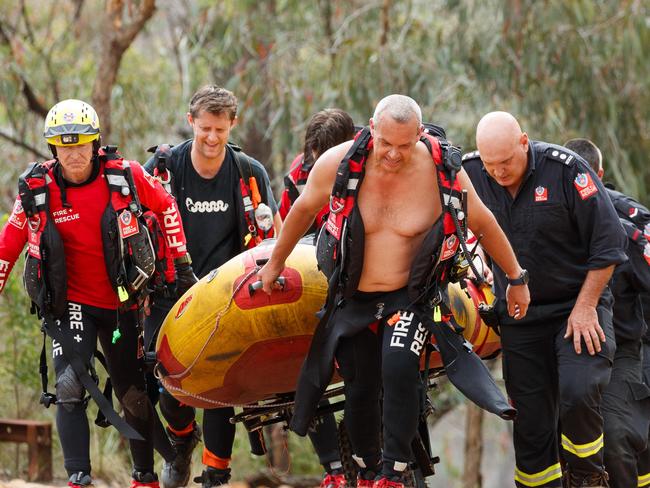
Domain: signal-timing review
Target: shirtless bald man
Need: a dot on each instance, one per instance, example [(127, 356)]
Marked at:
[(389, 247)]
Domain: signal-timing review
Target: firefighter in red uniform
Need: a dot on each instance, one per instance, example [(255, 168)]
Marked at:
[(327, 128), (88, 259)]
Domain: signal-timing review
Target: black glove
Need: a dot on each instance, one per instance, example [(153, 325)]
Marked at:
[(184, 276)]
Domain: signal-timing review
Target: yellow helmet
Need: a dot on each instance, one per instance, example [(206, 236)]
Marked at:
[(71, 123)]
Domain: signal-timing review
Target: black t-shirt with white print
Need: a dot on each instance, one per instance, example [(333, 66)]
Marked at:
[(209, 213), (211, 208)]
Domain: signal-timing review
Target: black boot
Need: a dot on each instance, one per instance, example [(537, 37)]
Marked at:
[(142, 479), (176, 473), (80, 479), (591, 480), (213, 477)]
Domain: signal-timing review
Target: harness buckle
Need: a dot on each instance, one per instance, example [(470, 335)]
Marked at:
[(139, 280), (340, 207), (47, 399), (34, 223), (164, 181)]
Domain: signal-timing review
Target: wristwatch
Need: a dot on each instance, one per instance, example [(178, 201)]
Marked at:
[(522, 279)]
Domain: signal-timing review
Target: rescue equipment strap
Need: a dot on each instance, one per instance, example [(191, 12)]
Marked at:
[(81, 370)]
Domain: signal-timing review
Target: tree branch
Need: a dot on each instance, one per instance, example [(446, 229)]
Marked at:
[(115, 42), (33, 102), (24, 145)]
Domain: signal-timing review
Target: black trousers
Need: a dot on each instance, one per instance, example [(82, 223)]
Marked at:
[(626, 410), (218, 432), (85, 324), (557, 394), (643, 464), (385, 361)]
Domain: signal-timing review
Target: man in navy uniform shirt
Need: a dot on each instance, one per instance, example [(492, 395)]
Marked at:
[(626, 400), (565, 232)]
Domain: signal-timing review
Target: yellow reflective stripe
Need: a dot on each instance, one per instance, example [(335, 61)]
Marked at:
[(644, 480), (537, 479), (583, 450)]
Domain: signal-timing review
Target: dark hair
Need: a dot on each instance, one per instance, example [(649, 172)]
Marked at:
[(587, 150), (215, 100), (326, 129)]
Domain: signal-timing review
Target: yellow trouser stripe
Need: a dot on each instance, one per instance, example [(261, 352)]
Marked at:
[(583, 450), (549, 474), (644, 480)]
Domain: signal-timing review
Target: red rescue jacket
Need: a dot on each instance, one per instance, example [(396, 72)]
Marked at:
[(85, 227)]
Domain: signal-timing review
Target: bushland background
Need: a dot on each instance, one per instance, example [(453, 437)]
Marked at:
[(564, 68)]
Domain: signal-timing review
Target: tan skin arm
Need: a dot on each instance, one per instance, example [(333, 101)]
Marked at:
[(583, 321), (482, 223), (303, 212), (277, 223)]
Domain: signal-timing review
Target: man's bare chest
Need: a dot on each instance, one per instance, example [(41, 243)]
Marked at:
[(404, 209)]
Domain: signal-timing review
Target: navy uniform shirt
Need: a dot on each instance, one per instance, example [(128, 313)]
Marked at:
[(631, 281), (561, 223)]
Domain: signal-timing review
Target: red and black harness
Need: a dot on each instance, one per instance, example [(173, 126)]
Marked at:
[(441, 265), (129, 259), (251, 198)]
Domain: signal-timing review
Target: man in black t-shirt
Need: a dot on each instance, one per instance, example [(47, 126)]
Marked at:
[(219, 224)]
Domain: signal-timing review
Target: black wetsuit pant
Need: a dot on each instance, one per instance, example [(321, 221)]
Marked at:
[(626, 410), (387, 360), (84, 324), (218, 432), (643, 464), (551, 386)]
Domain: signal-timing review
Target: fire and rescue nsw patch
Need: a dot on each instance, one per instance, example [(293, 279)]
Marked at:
[(127, 224), (541, 194), (18, 217), (585, 185), (449, 247)]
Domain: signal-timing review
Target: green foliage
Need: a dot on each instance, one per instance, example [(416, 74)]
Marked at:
[(565, 69)]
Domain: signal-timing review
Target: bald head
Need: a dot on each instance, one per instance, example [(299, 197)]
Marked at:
[(503, 148), (497, 133)]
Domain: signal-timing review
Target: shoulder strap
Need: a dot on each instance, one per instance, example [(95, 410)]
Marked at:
[(351, 168), (242, 161), (120, 181), (162, 171)]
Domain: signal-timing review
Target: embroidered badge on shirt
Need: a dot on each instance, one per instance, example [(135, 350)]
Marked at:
[(18, 217), (585, 185), (449, 247), (541, 194), (127, 224)]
